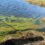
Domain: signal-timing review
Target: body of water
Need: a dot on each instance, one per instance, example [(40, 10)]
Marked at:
[(21, 8)]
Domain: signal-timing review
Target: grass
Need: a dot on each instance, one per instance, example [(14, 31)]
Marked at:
[(37, 2), (8, 24)]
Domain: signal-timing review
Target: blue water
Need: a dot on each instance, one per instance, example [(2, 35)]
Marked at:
[(21, 9)]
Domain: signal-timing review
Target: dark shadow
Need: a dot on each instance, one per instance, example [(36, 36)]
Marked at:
[(12, 32), (9, 42), (41, 30), (22, 41)]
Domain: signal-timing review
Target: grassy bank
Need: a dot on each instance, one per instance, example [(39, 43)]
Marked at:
[(10, 24)]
